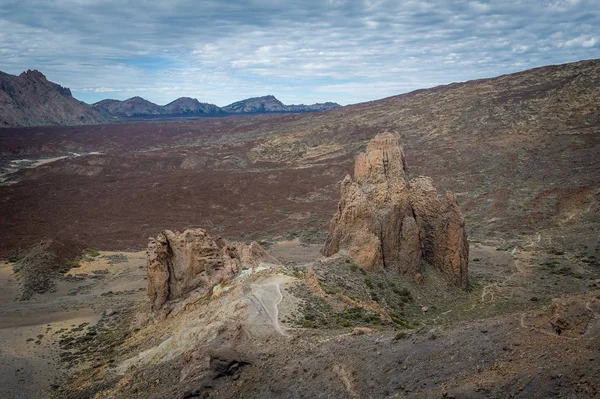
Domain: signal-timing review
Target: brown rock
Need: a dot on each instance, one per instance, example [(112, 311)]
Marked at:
[(361, 330), (179, 263), (374, 221), (387, 223), (442, 226), (572, 315), (418, 279)]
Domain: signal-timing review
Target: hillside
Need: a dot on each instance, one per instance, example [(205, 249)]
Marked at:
[(519, 152), (31, 100)]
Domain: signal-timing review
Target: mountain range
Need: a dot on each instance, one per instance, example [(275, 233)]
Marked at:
[(186, 106), (31, 100)]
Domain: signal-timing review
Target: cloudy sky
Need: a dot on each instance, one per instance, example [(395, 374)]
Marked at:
[(310, 51)]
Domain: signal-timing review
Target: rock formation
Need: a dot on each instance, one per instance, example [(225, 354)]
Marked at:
[(388, 223), (442, 228), (179, 263)]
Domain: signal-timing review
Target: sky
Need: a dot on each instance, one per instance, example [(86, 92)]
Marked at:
[(221, 51)]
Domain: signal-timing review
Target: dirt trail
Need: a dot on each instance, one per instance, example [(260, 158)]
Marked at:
[(268, 296), (517, 255), (30, 330)]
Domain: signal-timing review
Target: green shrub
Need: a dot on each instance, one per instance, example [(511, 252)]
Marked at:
[(91, 252), (72, 264), (400, 335)]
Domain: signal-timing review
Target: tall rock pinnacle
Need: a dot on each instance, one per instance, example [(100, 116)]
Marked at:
[(389, 224)]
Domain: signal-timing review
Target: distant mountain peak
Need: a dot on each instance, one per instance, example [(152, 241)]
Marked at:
[(269, 103)]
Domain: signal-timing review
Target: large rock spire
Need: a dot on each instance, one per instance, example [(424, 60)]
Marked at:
[(388, 223)]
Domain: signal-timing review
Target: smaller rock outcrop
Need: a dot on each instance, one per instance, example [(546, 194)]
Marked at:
[(387, 223), (178, 263)]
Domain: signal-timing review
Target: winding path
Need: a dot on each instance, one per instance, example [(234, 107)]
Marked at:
[(268, 296)]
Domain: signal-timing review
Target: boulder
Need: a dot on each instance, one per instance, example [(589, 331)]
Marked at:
[(178, 263), (387, 223)]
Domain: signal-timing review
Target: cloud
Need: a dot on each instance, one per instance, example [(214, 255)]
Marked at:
[(312, 51), (581, 41)]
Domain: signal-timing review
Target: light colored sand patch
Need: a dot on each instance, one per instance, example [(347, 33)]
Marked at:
[(269, 296), (295, 251)]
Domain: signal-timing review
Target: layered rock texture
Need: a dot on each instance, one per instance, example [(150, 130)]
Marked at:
[(389, 223), (179, 263)]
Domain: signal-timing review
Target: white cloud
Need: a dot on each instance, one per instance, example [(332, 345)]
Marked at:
[(580, 41), (344, 51)]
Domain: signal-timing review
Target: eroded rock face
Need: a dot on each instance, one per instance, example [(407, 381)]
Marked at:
[(374, 221), (179, 263), (388, 223)]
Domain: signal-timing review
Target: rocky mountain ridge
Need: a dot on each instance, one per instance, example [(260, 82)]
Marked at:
[(31, 100), (186, 106)]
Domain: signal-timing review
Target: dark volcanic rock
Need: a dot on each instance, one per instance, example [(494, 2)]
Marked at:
[(387, 223), (31, 100)]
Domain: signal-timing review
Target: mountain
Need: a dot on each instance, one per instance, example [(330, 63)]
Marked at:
[(31, 100), (256, 105), (135, 106), (190, 106), (267, 104)]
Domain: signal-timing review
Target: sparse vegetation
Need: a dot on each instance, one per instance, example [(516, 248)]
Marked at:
[(91, 252)]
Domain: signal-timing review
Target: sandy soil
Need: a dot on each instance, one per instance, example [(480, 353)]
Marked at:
[(295, 251), (30, 331)]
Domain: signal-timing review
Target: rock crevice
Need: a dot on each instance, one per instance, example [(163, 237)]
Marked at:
[(388, 223)]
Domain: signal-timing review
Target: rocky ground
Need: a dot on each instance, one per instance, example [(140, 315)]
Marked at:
[(296, 334), (36, 333), (324, 328)]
